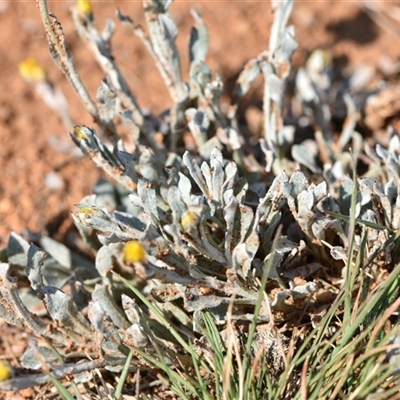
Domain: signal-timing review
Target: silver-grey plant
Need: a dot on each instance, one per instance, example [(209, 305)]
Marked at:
[(198, 233)]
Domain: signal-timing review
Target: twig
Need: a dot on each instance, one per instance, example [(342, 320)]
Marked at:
[(63, 57), (58, 372)]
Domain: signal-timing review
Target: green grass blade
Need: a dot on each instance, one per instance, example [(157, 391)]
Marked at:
[(261, 295), (368, 224), (202, 385), (65, 394), (123, 376), (173, 376), (165, 322)]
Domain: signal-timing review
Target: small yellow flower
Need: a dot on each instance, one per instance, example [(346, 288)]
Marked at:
[(32, 71), (189, 220), (84, 7), (79, 132), (84, 214), (88, 210), (134, 252), (5, 371)]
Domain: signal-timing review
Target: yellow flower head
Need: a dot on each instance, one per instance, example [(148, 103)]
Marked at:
[(84, 7), (134, 252), (84, 214), (32, 71), (189, 220), (5, 371), (88, 210), (79, 132)]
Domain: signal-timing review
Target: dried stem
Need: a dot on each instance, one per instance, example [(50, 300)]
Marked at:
[(63, 58), (59, 372)]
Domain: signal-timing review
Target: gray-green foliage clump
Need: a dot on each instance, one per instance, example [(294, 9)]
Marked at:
[(202, 233)]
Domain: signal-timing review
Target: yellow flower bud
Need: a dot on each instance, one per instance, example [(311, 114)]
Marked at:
[(88, 210), (5, 371), (79, 132), (84, 7), (134, 252), (32, 71), (189, 220), (84, 214)]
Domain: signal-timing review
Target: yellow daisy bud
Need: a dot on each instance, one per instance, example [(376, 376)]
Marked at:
[(32, 71), (84, 214), (189, 220), (79, 132), (134, 252), (84, 7), (88, 210), (5, 371)]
